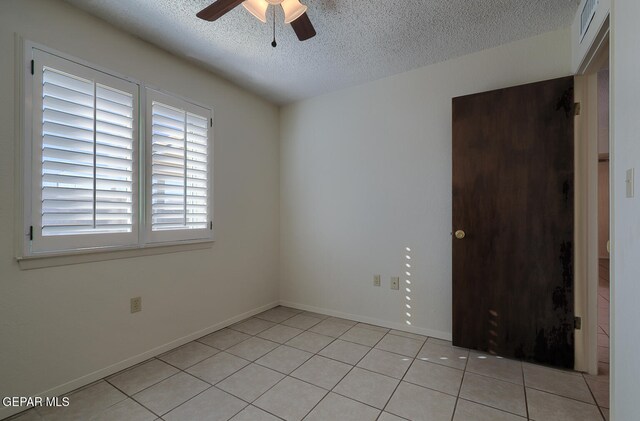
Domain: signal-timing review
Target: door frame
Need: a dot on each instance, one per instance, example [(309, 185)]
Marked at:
[(586, 200)]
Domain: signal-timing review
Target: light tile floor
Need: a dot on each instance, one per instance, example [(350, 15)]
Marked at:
[(599, 384), (294, 365)]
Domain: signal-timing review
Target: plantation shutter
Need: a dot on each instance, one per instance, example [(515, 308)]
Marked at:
[(67, 154), (84, 152), (179, 173), (168, 168), (114, 160)]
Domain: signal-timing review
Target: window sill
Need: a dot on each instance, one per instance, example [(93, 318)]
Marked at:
[(100, 255)]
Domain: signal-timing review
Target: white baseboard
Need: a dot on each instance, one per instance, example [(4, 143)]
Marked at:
[(363, 319), (60, 390)]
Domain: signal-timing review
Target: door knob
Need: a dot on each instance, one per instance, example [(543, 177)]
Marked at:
[(460, 234)]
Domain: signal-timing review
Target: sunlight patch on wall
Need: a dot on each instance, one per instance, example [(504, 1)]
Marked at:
[(407, 287)]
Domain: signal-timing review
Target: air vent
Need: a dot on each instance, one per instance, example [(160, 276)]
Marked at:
[(586, 16)]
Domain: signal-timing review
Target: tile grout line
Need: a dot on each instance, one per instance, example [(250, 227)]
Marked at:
[(562, 396), (191, 398), (143, 405), (126, 397), (403, 377), (210, 385), (346, 374), (251, 403), (147, 387), (464, 371), (286, 375), (493, 378), (524, 389), (224, 378), (493, 407), (196, 363), (249, 363), (353, 366), (594, 398)]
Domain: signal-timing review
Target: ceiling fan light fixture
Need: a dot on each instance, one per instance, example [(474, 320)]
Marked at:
[(295, 14), (257, 8), (293, 9)]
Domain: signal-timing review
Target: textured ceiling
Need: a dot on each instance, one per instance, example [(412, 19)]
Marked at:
[(357, 41)]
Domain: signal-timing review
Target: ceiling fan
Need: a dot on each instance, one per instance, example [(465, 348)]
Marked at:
[(295, 13)]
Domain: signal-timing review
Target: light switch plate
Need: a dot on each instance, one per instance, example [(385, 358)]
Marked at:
[(630, 182), (376, 280), (395, 282)]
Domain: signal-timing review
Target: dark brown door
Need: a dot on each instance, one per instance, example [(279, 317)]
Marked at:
[(513, 199)]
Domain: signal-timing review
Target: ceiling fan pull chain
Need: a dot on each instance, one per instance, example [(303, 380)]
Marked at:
[(274, 44)]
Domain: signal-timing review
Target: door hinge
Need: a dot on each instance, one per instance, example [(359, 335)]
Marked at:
[(211, 122), (577, 108), (33, 67), (211, 225), (31, 233), (577, 323)]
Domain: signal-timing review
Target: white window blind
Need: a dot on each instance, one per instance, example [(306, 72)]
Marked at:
[(87, 157), (179, 173), (84, 144)]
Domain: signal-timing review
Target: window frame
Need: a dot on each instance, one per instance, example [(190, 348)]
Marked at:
[(177, 236), (28, 178), (41, 244)]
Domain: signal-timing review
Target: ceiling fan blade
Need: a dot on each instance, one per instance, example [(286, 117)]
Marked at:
[(303, 27), (218, 9)]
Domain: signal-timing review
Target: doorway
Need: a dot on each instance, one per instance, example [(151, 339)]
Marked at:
[(593, 221), (603, 221)]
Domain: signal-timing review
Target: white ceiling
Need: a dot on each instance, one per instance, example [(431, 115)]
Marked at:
[(357, 41)]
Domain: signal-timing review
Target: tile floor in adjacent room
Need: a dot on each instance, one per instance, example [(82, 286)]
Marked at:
[(293, 365), (600, 384)]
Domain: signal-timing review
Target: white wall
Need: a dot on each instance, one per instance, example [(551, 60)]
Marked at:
[(366, 172), (625, 154), (60, 324)]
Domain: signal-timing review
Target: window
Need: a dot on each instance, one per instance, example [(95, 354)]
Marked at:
[(86, 187), (178, 174), (83, 154)]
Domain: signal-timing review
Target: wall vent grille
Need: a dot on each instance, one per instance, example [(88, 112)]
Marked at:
[(586, 16)]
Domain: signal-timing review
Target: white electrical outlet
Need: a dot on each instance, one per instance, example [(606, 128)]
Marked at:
[(136, 304), (376, 280), (395, 282)]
